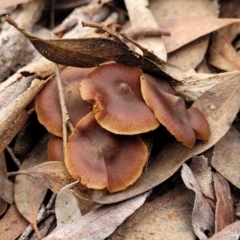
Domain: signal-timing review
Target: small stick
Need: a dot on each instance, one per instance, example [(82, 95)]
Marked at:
[(15, 159)]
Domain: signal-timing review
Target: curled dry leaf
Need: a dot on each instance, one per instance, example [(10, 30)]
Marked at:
[(29, 194), (186, 29), (219, 105), (99, 223), (202, 216), (226, 157), (224, 214), (165, 217), (12, 224), (231, 232), (203, 174), (66, 206)]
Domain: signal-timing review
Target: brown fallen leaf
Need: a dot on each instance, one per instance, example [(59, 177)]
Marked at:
[(203, 174), (99, 223), (190, 55), (29, 194), (166, 217), (226, 157), (231, 232), (52, 174), (186, 29), (202, 215), (3, 206), (79, 52), (219, 105), (12, 224), (224, 214)]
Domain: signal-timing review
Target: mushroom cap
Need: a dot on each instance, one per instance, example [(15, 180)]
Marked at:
[(47, 103), (55, 149), (101, 159), (199, 124), (170, 110), (114, 90)]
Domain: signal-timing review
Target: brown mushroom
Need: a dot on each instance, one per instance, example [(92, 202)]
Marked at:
[(169, 109), (114, 90), (55, 149), (199, 124), (101, 159), (47, 102)]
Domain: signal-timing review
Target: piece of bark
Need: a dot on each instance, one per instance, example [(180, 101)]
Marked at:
[(13, 44), (224, 214)]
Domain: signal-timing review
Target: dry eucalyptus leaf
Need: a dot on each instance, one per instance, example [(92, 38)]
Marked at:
[(226, 157), (52, 174), (3, 206), (12, 224), (190, 55), (202, 215), (100, 223), (187, 29), (203, 174), (7, 4), (29, 194), (224, 213), (89, 52), (141, 17), (166, 217), (195, 84), (231, 232), (66, 206), (219, 105), (222, 54)]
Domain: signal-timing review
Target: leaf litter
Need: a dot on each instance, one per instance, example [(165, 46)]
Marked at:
[(215, 94)]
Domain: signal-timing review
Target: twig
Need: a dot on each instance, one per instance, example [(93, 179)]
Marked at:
[(14, 158)]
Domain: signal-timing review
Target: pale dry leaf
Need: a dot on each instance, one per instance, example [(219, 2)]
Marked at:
[(190, 55), (141, 17), (7, 4), (202, 215), (66, 206), (224, 213), (226, 157), (166, 217), (52, 174), (231, 232), (195, 84), (100, 223), (203, 174), (12, 224), (3, 206), (29, 194), (219, 105), (187, 29)]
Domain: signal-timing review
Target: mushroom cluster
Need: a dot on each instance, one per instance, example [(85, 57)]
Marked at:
[(110, 106)]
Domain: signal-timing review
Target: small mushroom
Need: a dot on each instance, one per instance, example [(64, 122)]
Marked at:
[(114, 91), (47, 102), (101, 159), (199, 124), (55, 149), (169, 109)]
